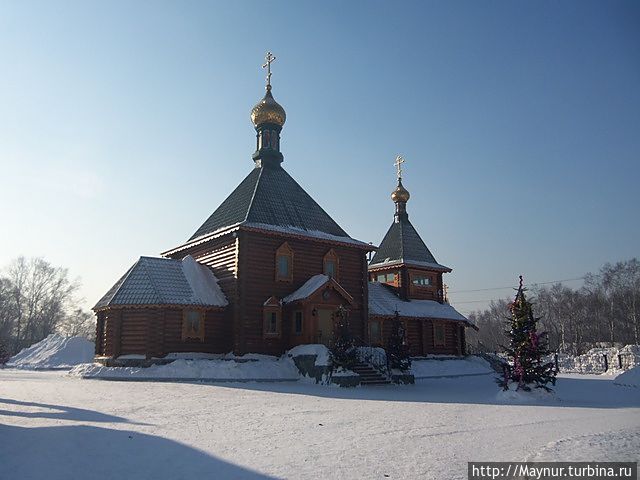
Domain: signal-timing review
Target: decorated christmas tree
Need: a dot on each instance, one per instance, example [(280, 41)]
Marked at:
[(397, 347), (529, 365), (344, 352)]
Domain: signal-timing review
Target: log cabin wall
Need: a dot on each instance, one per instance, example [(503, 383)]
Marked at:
[(420, 336), (221, 255), (424, 292), (100, 334), (257, 283), (217, 338), (157, 331)]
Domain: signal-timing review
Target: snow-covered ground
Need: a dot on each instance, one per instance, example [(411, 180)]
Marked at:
[(630, 378), (55, 351), (57, 426), (450, 367)]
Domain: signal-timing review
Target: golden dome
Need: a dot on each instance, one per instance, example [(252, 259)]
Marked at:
[(400, 194), (268, 111)]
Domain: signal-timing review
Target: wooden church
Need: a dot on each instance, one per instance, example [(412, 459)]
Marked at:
[(268, 270)]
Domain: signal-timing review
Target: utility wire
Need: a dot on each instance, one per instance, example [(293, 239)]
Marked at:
[(531, 284)]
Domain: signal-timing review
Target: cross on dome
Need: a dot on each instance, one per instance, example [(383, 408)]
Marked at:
[(398, 164), (270, 58)]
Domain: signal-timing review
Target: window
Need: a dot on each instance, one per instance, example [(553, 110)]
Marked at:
[(271, 322), (283, 266), (330, 264), (438, 335), (386, 278), (421, 280), (284, 263), (374, 333), (193, 325), (297, 323)]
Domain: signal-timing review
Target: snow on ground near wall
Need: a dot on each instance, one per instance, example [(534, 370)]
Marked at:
[(221, 370), (165, 431), (449, 367), (630, 378), (55, 351)]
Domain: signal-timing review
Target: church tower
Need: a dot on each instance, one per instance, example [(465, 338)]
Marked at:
[(403, 259), (283, 263)]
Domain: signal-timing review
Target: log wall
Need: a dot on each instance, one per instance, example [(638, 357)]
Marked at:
[(419, 335), (154, 332), (257, 283)]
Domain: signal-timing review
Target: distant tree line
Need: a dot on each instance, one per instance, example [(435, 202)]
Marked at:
[(37, 299), (605, 310)]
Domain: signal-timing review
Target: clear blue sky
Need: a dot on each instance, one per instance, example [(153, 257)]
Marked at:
[(123, 125)]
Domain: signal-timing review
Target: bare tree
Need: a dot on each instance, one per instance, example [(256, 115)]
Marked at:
[(604, 311), (78, 323), (37, 297)]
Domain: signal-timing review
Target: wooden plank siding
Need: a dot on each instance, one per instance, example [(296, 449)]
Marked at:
[(154, 332), (419, 335), (256, 274), (221, 256)]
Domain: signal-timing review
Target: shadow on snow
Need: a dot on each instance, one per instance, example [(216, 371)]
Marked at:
[(59, 412), (481, 390), (81, 451)]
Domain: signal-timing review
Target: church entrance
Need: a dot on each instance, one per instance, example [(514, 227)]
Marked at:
[(325, 326)]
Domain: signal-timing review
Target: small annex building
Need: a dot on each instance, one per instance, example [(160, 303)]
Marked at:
[(269, 269)]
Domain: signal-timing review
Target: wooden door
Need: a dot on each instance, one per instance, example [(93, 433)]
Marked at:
[(325, 326)]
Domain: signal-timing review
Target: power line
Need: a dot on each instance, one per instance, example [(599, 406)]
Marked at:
[(531, 284)]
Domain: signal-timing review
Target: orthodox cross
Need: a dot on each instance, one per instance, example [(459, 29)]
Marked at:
[(398, 164), (269, 58)]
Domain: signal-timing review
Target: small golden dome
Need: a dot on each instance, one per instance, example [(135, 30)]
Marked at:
[(400, 194), (268, 111)]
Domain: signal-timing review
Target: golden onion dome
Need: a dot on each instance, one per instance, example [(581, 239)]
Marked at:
[(400, 194), (268, 111)]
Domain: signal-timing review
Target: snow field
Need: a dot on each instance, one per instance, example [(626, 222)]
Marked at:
[(156, 430)]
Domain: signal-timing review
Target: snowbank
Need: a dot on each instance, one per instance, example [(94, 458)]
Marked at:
[(323, 356), (55, 351), (630, 378), (450, 367), (212, 370)]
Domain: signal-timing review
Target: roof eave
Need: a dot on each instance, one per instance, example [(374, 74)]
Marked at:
[(158, 305), (401, 262), (348, 242), (202, 239)]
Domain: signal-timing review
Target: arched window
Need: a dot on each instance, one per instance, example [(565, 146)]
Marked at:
[(330, 264), (284, 263)]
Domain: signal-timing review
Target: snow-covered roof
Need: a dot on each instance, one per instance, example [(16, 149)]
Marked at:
[(306, 290), (165, 281), (383, 301)]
